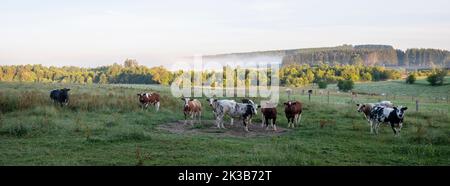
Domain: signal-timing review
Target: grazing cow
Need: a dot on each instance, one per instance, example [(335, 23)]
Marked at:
[(366, 109), (293, 111), (214, 104), (393, 116), (269, 112), (192, 108), (149, 98), (60, 96), (244, 111)]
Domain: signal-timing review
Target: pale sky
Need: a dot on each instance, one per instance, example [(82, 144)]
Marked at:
[(92, 33)]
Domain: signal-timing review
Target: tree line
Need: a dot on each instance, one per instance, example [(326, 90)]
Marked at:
[(130, 72), (370, 55)]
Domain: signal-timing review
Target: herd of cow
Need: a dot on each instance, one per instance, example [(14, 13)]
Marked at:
[(375, 113)]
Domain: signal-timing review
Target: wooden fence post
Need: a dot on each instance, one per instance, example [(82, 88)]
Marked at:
[(417, 105), (328, 97)]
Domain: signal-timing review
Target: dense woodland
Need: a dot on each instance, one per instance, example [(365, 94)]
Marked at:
[(371, 55), (130, 72)]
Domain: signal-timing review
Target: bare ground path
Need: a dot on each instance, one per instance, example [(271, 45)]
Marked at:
[(209, 127)]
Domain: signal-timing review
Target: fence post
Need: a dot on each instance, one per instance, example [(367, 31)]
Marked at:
[(328, 97), (417, 105)]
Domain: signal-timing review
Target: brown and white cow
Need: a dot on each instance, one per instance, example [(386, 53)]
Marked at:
[(293, 111), (366, 109), (149, 99), (269, 113), (192, 108)]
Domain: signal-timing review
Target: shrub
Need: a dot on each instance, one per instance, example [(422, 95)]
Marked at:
[(322, 84), (411, 79), (345, 85), (437, 78)]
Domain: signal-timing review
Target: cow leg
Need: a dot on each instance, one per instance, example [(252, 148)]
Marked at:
[(299, 118), (267, 123), (393, 129), (289, 122), (246, 124), (294, 120), (262, 121), (219, 119), (377, 126), (157, 106), (231, 120), (274, 126), (200, 117), (185, 118), (371, 123), (192, 118)]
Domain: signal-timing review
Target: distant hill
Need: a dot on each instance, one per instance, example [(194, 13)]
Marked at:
[(373, 55)]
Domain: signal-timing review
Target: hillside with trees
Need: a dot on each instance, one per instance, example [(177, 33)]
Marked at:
[(373, 55)]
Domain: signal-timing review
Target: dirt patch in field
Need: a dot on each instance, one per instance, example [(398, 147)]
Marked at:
[(209, 127)]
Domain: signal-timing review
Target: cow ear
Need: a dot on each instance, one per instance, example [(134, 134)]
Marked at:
[(208, 99), (68, 89), (259, 106), (395, 108), (183, 99), (191, 99), (215, 100), (138, 94), (285, 103), (405, 108), (357, 105)]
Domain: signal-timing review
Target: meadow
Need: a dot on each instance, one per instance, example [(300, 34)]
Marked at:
[(104, 125)]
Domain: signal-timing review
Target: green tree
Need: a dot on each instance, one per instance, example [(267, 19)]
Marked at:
[(437, 78), (411, 79), (322, 84), (345, 85)]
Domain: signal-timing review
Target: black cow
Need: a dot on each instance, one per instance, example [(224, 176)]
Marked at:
[(393, 116), (60, 96)]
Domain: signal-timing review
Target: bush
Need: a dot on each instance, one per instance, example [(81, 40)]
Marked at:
[(345, 85), (437, 78), (322, 84), (411, 79)]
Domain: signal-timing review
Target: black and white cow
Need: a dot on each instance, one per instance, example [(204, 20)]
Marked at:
[(60, 96), (244, 111), (393, 116)]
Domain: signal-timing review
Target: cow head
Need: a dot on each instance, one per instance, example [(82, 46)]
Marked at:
[(400, 112), (142, 96), (290, 103), (65, 95), (360, 107), (211, 101), (186, 101)]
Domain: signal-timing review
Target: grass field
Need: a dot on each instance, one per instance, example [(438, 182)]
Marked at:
[(103, 125)]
